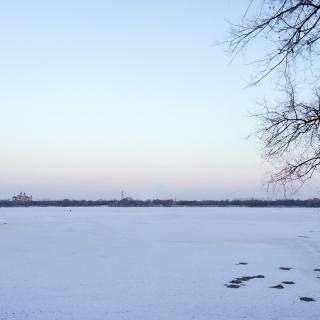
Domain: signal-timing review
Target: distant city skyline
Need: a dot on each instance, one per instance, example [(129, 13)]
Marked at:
[(102, 96)]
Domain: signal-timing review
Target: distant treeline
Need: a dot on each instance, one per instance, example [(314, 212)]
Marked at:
[(312, 203)]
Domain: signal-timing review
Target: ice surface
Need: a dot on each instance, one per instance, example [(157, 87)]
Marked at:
[(158, 263)]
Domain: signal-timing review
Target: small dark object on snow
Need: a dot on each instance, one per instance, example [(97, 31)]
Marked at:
[(247, 278), (233, 286), (288, 282), (317, 270), (242, 263), (303, 237), (306, 299), (285, 268), (278, 286), (235, 281)]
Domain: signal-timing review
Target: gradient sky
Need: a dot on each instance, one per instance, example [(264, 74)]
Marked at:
[(99, 96)]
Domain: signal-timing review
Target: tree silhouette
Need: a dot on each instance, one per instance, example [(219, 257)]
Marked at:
[(288, 129)]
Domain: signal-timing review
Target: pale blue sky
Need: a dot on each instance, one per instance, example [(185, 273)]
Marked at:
[(99, 96)]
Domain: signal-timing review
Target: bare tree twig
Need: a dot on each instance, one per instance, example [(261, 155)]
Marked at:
[(289, 130)]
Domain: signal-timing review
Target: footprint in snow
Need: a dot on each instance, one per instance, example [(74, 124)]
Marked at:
[(235, 281), (232, 286), (242, 263), (247, 278), (288, 282), (285, 268), (278, 286), (307, 299)]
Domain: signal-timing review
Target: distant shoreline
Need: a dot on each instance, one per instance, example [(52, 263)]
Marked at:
[(253, 203)]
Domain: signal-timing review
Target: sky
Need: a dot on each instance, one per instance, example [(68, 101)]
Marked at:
[(101, 96)]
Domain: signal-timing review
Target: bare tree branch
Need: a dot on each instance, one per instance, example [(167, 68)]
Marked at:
[(289, 130), (290, 135), (290, 27)]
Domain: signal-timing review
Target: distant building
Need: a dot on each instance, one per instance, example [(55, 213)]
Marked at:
[(127, 199), (22, 197)]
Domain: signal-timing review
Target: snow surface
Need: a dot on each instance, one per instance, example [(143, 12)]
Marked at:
[(157, 263)]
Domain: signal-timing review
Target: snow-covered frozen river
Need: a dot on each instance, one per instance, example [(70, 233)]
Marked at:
[(158, 263)]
